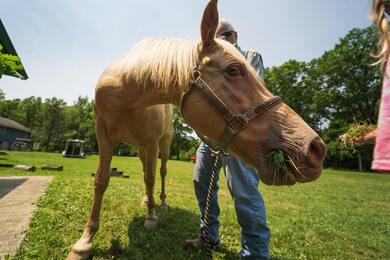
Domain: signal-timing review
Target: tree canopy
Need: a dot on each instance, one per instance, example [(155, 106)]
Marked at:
[(10, 64), (333, 91)]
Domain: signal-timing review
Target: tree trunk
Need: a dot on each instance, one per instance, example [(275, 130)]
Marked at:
[(360, 162)]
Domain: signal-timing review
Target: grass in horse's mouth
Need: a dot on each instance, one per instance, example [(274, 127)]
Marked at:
[(282, 164)]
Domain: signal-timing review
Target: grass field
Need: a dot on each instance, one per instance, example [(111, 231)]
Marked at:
[(343, 215)]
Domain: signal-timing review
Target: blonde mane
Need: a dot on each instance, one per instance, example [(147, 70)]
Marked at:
[(163, 61)]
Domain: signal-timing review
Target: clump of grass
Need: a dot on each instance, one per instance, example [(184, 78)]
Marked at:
[(356, 131), (281, 164), (277, 160)]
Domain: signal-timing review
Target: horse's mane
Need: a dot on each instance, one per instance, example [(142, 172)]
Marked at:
[(163, 61)]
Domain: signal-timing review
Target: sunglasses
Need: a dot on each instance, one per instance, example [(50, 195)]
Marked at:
[(226, 34)]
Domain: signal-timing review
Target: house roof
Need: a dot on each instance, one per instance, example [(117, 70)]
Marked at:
[(5, 122), (8, 47)]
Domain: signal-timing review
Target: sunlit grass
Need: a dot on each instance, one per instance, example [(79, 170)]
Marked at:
[(343, 215)]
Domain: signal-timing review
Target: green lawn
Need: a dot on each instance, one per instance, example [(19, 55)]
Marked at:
[(343, 215)]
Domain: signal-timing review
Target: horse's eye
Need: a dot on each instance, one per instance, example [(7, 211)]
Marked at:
[(234, 71)]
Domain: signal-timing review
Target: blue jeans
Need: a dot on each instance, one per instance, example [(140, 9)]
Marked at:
[(243, 184)]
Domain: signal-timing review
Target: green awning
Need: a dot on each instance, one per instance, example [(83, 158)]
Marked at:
[(8, 47)]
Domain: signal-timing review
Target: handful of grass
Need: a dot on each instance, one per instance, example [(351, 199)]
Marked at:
[(282, 165), (355, 132)]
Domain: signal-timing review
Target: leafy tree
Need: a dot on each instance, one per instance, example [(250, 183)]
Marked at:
[(11, 109), (183, 137), (353, 84), (52, 129), (81, 123), (353, 87), (31, 110), (9, 64), (125, 150), (293, 81), (2, 95)]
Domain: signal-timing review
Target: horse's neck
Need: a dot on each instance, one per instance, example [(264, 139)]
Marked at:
[(153, 95), (153, 68), (144, 94)]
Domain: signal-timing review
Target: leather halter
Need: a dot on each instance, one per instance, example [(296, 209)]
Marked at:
[(235, 122)]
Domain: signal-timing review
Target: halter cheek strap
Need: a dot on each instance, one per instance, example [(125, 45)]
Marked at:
[(235, 122)]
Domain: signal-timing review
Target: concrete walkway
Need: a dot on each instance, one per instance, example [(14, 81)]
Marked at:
[(18, 197)]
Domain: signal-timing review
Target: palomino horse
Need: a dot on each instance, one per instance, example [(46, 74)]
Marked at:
[(157, 71)]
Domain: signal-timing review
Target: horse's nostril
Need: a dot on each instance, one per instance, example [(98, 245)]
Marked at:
[(317, 151)]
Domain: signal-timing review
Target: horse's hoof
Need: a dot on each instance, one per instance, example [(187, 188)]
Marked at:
[(164, 207), (150, 223), (80, 251), (73, 255)]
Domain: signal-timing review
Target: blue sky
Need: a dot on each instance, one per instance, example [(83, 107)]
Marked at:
[(66, 44)]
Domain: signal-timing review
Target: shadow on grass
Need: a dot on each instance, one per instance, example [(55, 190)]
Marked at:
[(164, 242)]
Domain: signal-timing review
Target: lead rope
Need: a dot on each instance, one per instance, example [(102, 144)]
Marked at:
[(206, 236)]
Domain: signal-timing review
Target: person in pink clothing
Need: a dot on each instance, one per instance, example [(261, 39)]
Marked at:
[(381, 136)]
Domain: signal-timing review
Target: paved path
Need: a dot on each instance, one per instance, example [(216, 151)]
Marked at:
[(18, 197)]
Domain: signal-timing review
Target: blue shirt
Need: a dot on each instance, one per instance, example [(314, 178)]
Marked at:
[(254, 58)]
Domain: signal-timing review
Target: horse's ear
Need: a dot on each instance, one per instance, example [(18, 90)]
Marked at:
[(209, 23)]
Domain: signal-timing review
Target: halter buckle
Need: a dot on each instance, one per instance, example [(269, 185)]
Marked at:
[(196, 73), (238, 123)]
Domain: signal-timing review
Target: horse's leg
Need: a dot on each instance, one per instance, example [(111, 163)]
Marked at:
[(165, 144), (142, 157), (83, 247), (151, 153)]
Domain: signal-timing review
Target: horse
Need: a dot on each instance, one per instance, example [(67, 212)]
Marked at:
[(222, 99)]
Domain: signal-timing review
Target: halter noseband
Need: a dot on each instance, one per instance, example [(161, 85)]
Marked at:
[(235, 122)]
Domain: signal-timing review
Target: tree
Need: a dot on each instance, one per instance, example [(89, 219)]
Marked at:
[(2, 95), (11, 109), (183, 141), (81, 122), (354, 87), (52, 129), (9, 64), (352, 83), (294, 82), (31, 110)]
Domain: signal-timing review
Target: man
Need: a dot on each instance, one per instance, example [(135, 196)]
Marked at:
[(242, 181)]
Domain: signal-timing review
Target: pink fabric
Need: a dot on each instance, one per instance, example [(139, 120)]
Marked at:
[(382, 143)]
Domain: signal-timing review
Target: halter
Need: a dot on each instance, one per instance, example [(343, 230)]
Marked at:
[(235, 122)]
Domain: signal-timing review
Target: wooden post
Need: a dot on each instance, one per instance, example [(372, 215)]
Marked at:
[(360, 162), (28, 168)]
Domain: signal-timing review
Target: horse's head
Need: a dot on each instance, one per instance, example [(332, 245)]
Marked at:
[(278, 127)]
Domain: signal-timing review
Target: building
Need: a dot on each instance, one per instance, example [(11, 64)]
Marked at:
[(14, 136)]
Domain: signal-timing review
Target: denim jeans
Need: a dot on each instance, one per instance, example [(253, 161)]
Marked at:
[(243, 184)]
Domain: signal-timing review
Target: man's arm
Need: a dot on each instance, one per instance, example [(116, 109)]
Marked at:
[(256, 61)]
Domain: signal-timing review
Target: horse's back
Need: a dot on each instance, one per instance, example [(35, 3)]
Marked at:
[(117, 98), (138, 126)]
